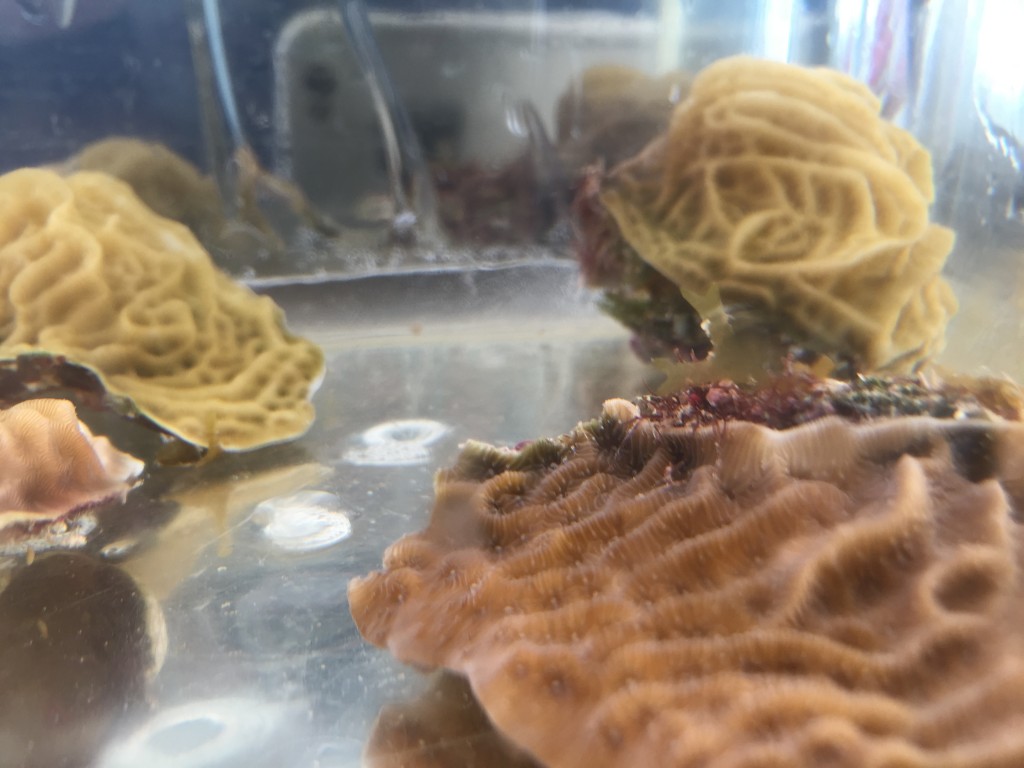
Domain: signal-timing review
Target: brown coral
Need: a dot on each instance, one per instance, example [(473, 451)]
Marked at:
[(640, 594), (89, 274), (53, 465), (785, 189)]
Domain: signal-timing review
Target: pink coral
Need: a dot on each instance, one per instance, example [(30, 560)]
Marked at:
[(53, 465)]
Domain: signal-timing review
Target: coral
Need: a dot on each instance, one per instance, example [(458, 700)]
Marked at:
[(786, 400), (53, 465), (166, 182), (636, 593), (611, 111), (89, 275), (265, 205), (783, 189), (444, 727)]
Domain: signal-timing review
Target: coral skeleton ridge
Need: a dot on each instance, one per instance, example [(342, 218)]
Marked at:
[(783, 187), (643, 593), (90, 275)]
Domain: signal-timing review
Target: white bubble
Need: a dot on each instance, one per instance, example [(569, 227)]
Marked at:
[(304, 521), (403, 442)]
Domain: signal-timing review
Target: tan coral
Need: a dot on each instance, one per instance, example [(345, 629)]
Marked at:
[(166, 182), (611, 111), (783, 187), (53, 465), (642, 594), (175, 189), (87, 272)]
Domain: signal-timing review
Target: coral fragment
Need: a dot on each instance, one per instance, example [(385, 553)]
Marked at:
[(727, 593), (53, 465)]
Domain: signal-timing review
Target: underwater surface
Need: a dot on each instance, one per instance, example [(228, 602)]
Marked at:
[(249, 557)]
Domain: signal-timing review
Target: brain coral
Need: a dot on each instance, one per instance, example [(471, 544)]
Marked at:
[(638, 593), (166, 182), (53, 465), (785, 189), (88, 273)]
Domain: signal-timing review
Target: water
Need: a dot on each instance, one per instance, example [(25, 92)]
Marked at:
[(262, 664), (254, 659), (40, 12)]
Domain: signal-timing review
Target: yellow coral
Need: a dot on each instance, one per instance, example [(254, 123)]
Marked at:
[(783, 187), (89, 273), (166, 182)]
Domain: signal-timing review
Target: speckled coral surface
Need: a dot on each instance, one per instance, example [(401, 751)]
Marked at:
[(728, 595), (87, 272)]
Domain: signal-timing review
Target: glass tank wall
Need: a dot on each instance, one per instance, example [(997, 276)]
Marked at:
[(452, 203)]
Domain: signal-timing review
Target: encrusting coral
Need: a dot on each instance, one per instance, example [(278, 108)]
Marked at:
[(52, 465), (89, 275), (782, 192), (655, 591)]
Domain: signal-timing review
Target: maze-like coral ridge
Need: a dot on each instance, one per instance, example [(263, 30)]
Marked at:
[(785, 189), (833, 594), (88, 273)]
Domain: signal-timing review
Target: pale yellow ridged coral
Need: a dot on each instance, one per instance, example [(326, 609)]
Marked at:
[(89, 273), (637, 593), (51, 464), (783, 188)]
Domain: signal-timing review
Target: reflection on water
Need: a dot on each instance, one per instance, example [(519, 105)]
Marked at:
[(443, 727), (399, 443), (226, 733), (78, 641), (303, 522)]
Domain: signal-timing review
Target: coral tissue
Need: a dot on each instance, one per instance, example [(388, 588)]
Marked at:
[(53, 465), (647, 592), (89, 274)]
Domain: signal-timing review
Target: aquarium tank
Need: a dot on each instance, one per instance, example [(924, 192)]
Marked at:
[(583, 383)]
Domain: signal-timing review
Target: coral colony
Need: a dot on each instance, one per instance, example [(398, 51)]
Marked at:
[(780, 196), (764, 566)]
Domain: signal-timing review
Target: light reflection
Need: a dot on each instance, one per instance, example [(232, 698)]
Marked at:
[(398, 443), (303, 521)]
